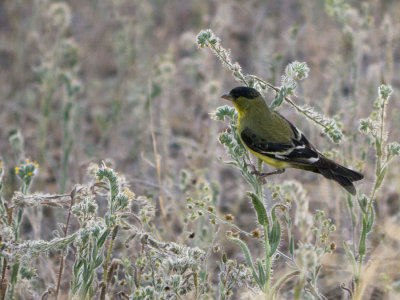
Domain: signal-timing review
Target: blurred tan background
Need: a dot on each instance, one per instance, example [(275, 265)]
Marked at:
[(85, 81)]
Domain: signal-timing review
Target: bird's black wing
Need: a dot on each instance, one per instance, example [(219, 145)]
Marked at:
[(299, 151)]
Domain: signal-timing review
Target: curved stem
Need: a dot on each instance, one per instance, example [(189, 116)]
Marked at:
[(281, 282), (228, 63), (290, 101)]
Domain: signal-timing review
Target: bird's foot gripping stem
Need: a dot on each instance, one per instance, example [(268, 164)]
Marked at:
[(262, 176)]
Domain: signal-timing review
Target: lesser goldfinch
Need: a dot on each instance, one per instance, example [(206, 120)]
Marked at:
[(276, 141)]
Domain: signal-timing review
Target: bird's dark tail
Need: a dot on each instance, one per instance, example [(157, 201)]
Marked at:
[(340, 174)]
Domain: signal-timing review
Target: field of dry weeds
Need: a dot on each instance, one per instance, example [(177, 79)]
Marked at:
[(116, 173)]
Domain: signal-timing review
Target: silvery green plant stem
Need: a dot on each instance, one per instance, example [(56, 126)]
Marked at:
[(264, 222), (373, 126), (270, 224), (107, 262)]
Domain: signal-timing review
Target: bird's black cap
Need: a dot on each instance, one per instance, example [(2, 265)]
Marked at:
[(244, 91)]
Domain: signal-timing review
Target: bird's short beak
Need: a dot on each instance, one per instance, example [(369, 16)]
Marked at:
[(227, 97)]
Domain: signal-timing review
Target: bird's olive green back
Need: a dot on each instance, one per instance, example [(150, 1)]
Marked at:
[(265, 123)]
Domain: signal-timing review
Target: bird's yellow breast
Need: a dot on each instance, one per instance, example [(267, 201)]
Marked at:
[(271, 161)]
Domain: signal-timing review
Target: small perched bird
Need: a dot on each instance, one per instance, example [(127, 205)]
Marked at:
[(276, 141)]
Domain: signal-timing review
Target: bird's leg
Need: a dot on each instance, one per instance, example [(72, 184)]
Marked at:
[(253, 169), (261, 175)]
